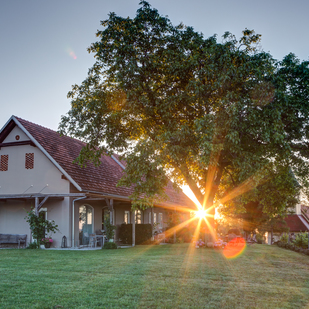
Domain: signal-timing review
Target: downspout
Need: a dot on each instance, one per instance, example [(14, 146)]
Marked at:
[(73, 208)]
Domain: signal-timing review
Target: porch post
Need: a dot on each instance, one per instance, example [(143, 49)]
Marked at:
[(133, 227), (36, 206), (151, 222), (111, 212)]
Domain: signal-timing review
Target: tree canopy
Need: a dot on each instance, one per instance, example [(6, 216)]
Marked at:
[(224, 118)]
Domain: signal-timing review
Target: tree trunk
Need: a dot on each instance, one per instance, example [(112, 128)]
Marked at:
[(151, 223)]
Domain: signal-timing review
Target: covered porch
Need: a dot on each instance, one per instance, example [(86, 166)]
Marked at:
[(91, 211)]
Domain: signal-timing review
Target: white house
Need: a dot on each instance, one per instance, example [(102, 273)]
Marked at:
[(37, 170)]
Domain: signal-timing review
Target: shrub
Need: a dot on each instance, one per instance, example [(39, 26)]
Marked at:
[(259, 238), (109, 228), (284, 238), (281, 244), (301, 240), (143, 233), (33, 245), (110, 245), (39, 226), (125, 233)]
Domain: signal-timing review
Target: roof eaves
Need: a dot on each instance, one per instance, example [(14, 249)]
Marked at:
[(118, 162)]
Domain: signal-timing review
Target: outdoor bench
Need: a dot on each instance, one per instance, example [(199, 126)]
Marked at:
[(20, 239)]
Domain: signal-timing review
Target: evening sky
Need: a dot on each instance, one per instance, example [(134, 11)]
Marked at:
[(44, 43)]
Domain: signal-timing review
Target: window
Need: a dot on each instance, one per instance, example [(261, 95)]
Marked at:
[(149, 217), (4, 163), (138, 216), (154, 218), (160, 220), (126, 216), (29, 161)]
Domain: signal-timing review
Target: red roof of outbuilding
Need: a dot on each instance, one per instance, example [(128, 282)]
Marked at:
[(104, 178), (297, 223)]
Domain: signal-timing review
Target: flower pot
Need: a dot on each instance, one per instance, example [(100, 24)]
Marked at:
[(47, 245), (210, 244)]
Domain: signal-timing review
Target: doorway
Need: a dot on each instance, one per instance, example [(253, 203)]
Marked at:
[(85, 224)]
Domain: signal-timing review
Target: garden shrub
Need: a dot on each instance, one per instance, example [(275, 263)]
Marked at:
[(143, 233), (39, 226), (109, 228), (259, 238), (110, 245), (284, 238), (125, 233), (301, 240), (33, 245)]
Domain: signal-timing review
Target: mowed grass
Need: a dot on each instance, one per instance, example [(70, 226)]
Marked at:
[(167, 276)]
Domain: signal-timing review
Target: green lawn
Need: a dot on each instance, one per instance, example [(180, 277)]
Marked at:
[(166, 276)]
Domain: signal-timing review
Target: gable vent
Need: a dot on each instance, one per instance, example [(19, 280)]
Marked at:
[(4, 163), (29, 161)]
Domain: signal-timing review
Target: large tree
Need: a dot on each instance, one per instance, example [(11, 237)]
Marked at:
[(223, 117)]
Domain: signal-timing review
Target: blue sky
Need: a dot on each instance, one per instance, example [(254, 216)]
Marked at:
[(43, 43)]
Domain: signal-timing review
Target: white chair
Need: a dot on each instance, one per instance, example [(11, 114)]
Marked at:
[(93, 240)]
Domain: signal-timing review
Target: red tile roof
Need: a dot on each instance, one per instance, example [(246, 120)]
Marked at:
[(297, 223), (104, 178)]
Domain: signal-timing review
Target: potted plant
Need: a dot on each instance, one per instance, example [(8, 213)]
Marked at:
[(39, 226), (47, 241)]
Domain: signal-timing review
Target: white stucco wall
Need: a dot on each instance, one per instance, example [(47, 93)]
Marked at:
[(44, 177), (12, 214)]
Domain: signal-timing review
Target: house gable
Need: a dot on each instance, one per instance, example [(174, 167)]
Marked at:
[(16, 135), (26, 168), (29, 171)]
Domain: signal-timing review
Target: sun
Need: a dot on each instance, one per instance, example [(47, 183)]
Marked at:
[(201, 213)]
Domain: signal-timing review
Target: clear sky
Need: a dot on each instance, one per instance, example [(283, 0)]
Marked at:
[(43, 43)]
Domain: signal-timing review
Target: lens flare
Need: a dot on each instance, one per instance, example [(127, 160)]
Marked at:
[(71, 53), (234, 248)]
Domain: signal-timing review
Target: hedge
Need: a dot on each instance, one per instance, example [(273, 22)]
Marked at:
[(143, 233)]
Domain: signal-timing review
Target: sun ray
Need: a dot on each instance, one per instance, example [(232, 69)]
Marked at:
[(178, 227), (191, 247), (210, 228), (179, 208)]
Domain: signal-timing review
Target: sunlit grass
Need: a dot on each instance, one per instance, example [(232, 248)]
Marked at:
[(164, 276)]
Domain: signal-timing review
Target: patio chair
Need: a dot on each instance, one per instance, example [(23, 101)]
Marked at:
[(93, 240), (85, 238)]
